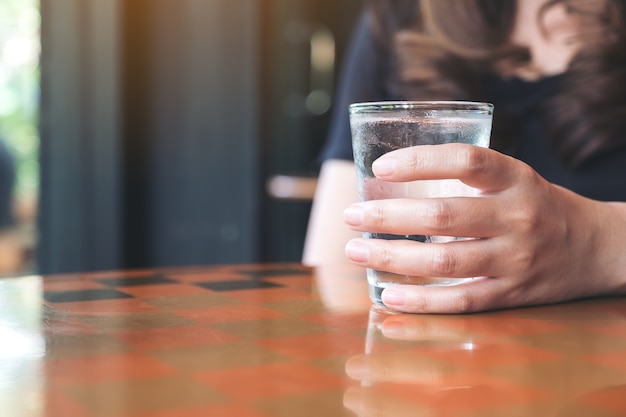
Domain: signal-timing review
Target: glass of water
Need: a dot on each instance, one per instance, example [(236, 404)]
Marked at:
[(381, 127)]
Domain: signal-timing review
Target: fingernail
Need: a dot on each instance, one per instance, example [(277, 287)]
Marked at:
[(357, 367), (353, 399), (384, 166), (353, 215), (357, 251), (393, 297), (392, 329)]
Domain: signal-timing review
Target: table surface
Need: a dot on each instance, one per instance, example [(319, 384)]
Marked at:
[(284, 340)]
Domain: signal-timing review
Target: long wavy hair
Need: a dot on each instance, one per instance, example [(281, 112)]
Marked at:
[(442, 49)]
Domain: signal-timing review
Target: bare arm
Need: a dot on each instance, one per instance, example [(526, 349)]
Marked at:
[(327, 233)]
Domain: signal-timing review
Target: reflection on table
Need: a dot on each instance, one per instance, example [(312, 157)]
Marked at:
[(284, 340)]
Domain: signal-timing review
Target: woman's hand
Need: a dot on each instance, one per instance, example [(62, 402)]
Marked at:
[(535, 242)]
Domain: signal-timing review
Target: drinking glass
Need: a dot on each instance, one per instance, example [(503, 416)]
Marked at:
[(381, 127)]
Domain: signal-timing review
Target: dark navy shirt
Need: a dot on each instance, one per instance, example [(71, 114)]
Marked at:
[(363, 79)]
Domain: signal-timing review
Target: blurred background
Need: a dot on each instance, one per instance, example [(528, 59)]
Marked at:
[(143, 133)]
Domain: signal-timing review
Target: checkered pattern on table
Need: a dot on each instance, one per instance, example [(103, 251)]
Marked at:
[(260, 341), (194, 342)]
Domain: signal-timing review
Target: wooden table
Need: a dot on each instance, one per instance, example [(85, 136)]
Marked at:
[(283, 340)]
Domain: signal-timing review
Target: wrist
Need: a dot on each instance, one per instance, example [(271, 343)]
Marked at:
[(608, 240)]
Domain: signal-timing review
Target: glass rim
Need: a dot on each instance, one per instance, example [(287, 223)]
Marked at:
[(436, 105)]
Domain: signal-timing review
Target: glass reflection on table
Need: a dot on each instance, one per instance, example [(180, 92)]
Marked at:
[(423, 365)]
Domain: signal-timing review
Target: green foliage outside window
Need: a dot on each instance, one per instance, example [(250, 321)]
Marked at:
[(19, 88)]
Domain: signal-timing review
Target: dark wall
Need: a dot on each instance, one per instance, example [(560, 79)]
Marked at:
[(79, 225), (192, 136), (294, 131), (161, 121)]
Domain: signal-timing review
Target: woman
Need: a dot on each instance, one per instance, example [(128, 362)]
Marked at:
[(551, 221)]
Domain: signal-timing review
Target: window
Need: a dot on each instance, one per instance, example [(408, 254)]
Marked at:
[(19, 99)]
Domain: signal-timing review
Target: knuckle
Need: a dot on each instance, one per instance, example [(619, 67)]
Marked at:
[(415, 163), (438, 215), (525, 259), (528, 220), (383, 257), (474, 159), (526, 173), (444, 262), (377, 217), (422, 305), (531, 217), (465, 302)]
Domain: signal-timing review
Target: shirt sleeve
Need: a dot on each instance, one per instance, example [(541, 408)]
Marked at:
[(362, 78)]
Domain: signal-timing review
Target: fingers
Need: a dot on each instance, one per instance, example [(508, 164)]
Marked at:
[(477, 167), (479, 258), (482, 294), (457, 259), (459, 216)]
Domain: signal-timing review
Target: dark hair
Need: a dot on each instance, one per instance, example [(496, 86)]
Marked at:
[(442, 49)]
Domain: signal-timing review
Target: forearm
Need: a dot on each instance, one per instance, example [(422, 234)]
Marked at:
[(327, 234)]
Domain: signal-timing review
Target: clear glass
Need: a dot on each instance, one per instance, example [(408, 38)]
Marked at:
[(380, 127)]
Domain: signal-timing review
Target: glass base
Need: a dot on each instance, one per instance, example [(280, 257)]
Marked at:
[(379, 280)]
